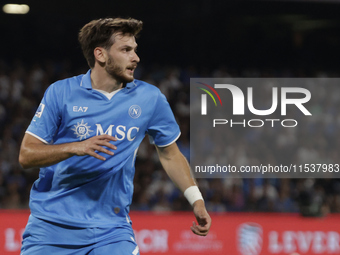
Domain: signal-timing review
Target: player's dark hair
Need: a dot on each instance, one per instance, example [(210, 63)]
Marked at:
[(98, 33)]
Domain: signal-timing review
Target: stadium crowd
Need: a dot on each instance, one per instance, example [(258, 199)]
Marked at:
[(22, 86)]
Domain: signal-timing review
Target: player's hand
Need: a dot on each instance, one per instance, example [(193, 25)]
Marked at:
[(203, 219), (96, 143)]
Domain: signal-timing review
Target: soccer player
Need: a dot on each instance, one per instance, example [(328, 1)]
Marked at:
[(85, 136)]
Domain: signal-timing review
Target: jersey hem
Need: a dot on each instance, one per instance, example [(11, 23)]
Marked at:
[(81, 224), (39, 138), (170, 142)]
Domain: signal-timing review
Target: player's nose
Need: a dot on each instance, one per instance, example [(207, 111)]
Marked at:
[(135, 57)]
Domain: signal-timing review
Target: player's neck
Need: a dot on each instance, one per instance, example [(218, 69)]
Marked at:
[(101, 80)]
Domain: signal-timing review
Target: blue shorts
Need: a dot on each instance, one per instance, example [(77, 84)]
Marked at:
[(43, 237)]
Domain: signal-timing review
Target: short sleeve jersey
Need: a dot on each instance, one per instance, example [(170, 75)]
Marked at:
[(83, 190)]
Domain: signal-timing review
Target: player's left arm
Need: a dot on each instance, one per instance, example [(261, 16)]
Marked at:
[(178, 169)]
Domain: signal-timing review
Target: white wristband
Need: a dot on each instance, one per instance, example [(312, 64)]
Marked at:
[(192, 194)]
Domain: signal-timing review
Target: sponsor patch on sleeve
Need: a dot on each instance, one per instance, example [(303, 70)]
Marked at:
[(40, 110)]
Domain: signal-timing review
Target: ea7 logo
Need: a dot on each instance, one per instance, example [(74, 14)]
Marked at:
[(238, 100), (80, 109)]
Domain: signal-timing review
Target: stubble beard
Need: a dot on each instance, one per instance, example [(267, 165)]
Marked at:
[(117, 72)]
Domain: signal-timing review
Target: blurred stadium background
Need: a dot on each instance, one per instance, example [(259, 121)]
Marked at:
[(181, 40)]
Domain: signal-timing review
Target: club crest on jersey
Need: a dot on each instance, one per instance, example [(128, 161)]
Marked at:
[(82, 130), (135, 111)]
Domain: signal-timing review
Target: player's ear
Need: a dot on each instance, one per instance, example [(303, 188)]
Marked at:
[(100, 54)]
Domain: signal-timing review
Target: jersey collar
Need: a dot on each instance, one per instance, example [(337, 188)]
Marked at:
[(86, 82)]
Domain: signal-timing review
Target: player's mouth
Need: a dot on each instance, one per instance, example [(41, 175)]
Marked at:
[(131, 69)]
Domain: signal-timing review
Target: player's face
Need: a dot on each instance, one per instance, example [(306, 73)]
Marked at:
[(122, 58)]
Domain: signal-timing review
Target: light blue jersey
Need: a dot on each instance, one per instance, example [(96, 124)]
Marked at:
[(83, 191)]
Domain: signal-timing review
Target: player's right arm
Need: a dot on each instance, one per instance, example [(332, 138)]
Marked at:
[(35, 153)]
